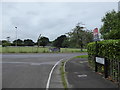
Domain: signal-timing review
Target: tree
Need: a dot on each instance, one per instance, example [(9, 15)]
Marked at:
[(43, 41), (5, 43), (59, 41), (111, 26), (79, 38), (66, 43), (19, 42), (28, 42)]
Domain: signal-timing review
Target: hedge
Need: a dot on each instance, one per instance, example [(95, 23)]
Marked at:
[(109, 49)]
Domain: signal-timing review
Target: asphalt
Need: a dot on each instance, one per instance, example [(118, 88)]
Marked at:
[(79, 75), (32, 70)]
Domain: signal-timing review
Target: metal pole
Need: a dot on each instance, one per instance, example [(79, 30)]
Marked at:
[(16, 36)]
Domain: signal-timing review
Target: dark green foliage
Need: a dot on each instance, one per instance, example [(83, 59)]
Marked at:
[(107, 48), (79, 38), (60, 41), (65, 43), (28, 42), (19, 42), (111, 25), (5, 43), (43, 41)]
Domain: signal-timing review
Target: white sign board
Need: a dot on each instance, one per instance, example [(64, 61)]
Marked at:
[(100, 60)]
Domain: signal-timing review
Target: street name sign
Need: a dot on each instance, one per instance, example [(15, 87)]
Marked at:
[(100, 60)]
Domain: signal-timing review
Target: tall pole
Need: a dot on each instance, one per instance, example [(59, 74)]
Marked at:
[(38, 40), (16, 35), (119, 6), (8, 39)]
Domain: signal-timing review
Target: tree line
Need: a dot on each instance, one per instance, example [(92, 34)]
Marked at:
[(77, 37)]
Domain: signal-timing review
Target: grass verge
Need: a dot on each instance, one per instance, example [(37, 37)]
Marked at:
[(38, 50), (82, 56), (63, 75)]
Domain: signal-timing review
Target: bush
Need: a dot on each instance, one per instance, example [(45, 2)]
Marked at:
[(108, 49)]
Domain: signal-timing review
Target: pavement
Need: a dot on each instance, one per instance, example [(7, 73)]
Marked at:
[(32, 70), (79, 75)]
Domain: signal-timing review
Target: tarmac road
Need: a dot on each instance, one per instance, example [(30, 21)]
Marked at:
[(29, 70)]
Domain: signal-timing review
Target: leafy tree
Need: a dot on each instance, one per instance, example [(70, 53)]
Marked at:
[(66, 43), (28, 42), (59, 41), (79, 38), (111, 26), (43, 41), (19, 42), (5, 43)]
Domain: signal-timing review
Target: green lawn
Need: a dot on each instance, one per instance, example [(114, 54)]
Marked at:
[(82, 56), (35, 50), (67, 50)]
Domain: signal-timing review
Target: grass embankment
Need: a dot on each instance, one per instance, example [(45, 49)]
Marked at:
[(36, 50)]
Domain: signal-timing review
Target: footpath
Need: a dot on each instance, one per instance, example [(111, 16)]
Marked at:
[(79, 75)]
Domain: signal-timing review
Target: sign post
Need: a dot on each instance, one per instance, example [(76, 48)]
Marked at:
[(99, 60), (96, 38), (104, 62)]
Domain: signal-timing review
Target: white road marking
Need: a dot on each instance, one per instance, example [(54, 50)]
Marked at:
[(82, 75), (83, 61), (30, 63), (50, 74)]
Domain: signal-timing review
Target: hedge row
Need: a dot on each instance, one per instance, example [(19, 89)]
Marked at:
[(110, 50)]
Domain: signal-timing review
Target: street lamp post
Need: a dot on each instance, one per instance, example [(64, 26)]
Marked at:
[(16, 35)]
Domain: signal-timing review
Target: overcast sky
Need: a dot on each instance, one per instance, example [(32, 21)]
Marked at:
[(51, 19)]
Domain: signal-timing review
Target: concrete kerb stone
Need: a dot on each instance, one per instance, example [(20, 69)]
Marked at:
[(56, 81), (65, 61), (68, 85)]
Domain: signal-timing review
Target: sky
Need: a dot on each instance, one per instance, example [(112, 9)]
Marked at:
[(50, 19)]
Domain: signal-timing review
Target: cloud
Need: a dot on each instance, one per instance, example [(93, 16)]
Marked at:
[(50, 19)]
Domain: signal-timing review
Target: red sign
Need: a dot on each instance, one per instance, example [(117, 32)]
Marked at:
[(95, 33)]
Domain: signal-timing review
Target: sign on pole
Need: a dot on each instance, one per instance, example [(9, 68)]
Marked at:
[(100, 60), (96, 34)]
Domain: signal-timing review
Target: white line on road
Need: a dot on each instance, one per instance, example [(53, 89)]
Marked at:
[(50, 74)]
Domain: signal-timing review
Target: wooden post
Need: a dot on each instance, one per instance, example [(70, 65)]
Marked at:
[(96, 68), (106, 68)]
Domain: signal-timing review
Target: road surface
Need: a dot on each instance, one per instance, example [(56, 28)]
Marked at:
[(29, 70)]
